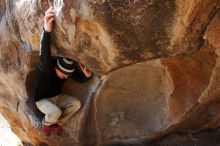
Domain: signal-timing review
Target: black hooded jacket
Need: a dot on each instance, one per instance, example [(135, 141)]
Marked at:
[(48, 83)]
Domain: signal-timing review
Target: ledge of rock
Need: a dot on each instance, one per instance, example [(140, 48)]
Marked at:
[(156, 66)]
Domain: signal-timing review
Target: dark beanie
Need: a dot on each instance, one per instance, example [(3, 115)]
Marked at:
[(65, 65)]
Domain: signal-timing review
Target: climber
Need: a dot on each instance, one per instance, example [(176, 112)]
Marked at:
[(56, 107)]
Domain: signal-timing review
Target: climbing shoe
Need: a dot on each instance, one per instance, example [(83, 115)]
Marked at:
[(58, 129), (47, 130)]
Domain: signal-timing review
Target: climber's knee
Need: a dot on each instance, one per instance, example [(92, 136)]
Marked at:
[(52, 112)]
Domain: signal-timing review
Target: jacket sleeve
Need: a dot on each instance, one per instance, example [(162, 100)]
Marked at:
[(41, 90), (45, 63)]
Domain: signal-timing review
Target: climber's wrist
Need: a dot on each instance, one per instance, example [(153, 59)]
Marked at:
[(47, 29)]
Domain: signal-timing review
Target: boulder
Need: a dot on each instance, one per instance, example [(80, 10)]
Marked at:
[(156, 67)]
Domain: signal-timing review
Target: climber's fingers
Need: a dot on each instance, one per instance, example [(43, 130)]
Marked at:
[(87, 72), (49, 11), (48, 17), (50, 20)]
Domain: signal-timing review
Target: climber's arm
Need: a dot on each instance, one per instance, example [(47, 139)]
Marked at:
[(41, 90), (45, 55), (81, 74), (85, 70)]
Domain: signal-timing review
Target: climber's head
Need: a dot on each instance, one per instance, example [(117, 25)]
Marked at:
[(64, 68)]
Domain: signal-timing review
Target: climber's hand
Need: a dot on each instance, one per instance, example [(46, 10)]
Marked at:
[(85, 70), (48, 20)]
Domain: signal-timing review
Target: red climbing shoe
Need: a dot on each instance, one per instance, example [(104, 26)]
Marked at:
[(47, 130), (59, 130)]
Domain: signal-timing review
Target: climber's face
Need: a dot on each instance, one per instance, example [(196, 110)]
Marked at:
[(61, 75)]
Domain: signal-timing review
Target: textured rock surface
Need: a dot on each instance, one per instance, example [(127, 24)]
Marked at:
[(210, 137), (158, 63)]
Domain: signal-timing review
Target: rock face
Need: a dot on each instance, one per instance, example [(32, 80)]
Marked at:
[(157, 64)]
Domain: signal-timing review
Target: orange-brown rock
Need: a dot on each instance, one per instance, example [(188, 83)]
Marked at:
[(156, 65)]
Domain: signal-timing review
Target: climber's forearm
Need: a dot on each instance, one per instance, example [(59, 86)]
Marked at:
[(45, 57), (45, 54)]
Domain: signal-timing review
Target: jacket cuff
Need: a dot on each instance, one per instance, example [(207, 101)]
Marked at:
[(45, 36), (45, 32)]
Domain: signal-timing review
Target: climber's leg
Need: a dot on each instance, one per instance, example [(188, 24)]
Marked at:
[(69, 106), (52, 111)]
